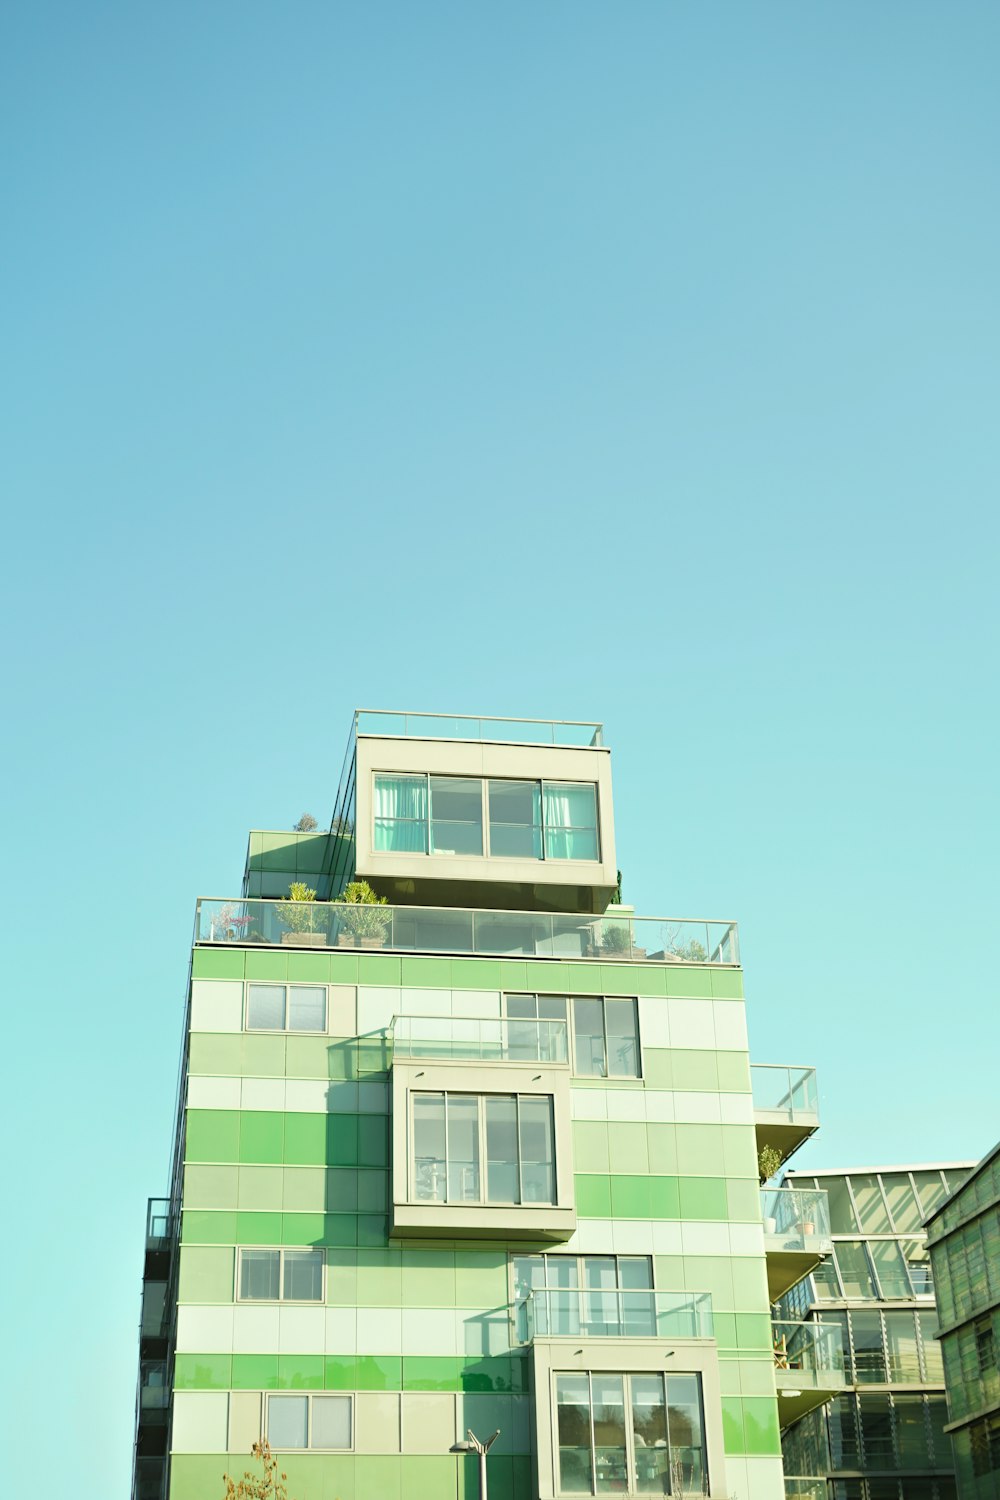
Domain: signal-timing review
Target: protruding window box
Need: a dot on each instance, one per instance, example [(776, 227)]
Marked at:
[(796, 1235), (481, 1150)]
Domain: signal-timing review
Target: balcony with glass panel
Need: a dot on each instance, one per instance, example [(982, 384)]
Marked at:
[(612, 1313), (808, 1367), (796, 1235), (493, 1039), (617, 936), (566, 732), (786, 1106)]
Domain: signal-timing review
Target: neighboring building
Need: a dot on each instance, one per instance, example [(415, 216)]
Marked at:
[(963, 1235), (482, 1158), (884, 1438)]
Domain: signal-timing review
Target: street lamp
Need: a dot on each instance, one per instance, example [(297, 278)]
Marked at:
[(474, 1445)]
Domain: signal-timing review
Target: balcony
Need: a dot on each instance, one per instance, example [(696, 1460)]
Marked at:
[(796, 1235), (459, 930), (564, 732), (808, 1367), (589, 1313), (159, 1224), (495, 1039), (786, 1106)]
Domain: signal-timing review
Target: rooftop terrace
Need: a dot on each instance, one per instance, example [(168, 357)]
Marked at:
[(567, 732)]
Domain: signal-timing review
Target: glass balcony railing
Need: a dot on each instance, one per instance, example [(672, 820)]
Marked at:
[(795, 1216), (584, 1312), (565, 732), (784, 1090), (158, 1223), (154, 1393), (460, 930), (481, 1040), (815, 1349)]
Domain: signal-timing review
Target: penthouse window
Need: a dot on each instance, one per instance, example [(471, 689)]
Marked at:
[(472, 816)]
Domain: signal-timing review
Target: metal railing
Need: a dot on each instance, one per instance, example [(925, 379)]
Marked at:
[(795, 1215), (783, 1090), (815, 1349), (590, 1312), (484, 1039), (460, 930), (567, 732)]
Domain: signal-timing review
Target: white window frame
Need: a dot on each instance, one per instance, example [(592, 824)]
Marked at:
[(280, 1251), (310, 1396), (606, 1077), (287, 985), (484, 781), (482, 1201)]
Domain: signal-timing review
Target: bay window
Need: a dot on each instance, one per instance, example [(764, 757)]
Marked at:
[(454, 1134), (639, 1434), (474, 816)]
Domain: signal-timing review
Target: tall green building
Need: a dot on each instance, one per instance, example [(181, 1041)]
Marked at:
[(482, 1158), (964, 1239)]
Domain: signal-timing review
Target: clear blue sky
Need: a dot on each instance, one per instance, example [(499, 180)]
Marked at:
[(633, 361)]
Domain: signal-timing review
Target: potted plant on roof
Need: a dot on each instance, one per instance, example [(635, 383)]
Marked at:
[(305, 917), (364, 920)]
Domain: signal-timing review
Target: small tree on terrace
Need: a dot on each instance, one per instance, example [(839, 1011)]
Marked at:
[(270, 1485)]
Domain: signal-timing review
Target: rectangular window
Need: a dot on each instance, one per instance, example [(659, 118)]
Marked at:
[(515, 819), (542, 1034), (605, 1038), (570, 814), (309, 1421), (454, 1133), (401, 814), (587, 1295), (456, 815), (424, 814), (286, 1007), (630, 1434), (281, 1276)]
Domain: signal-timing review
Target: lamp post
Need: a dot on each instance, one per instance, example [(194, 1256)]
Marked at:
[(475, 1445)]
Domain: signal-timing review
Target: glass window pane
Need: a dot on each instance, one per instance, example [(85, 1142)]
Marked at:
[(537, 1150), (502, 1182), (902, 1204), (430, 1182), (570, 813), (608, 1397), (307, 1008), (576, 1470), (635, 1271), (927, 1323), (930, 1190), (266, 1007), (463, 1149), (869, 1361), (901, 1347), (287, 1421), (303, 1276), (852, 1263), (687, 1441), (649, 1435), (456, 815), (401, 813), (890, 1268), (911, 1432), (588, 1030), (876, 1431), (623, 1038), (331, 1422), (515, 819), (259, 1271), (868, 1197), (842, 1217)]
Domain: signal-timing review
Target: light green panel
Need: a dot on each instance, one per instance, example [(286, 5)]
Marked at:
[(739, 1151), (727, 984), (379, 1278), (343, 968), (216, 1054), (308, 1057), (203, 1372), (217, 963), (212, 1135), (379, 969), (703, 1197), (661, 1142), (710, 1273), (513, 975), (428, 1278), (309, 968), (725, 1328), (680, 1068), (260, 1188), (627, 1147), (426, 973), (730, 1383), (342, 1277), (734, 1072), (576, 979), (753, 1330), (749, 1283), (263, 1056), (669, 1273), (210, 1187), (480, 1278), (206, 1274), (744, 1200), (304, 1189), (590, 1144), (267, 963), (690, 980), (475, 974), (699, 1149), (732, 1424), (760, 1426)]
